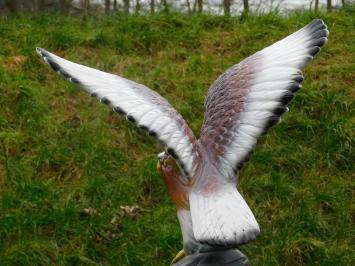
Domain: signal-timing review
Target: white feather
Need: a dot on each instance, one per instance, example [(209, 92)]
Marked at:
[(223, 218), (146, 107)]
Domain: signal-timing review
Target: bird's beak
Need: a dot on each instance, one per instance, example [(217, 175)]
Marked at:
[(159, 167)]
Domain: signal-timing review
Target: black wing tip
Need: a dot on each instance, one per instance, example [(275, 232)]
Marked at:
[(299, 79), (143, 127), (317, 21), (320, 41), (316, 24), (172, 152), (104, 100), (131, 119), (295, 87), (318, 31), (287, 97), (55, 66), (153, 134), (40, 50), (314, 50), (43, 52), (279, 111), (118, 110), (75, 81), (274, 120)]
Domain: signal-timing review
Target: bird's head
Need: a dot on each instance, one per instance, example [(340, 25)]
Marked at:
[(169, 169)]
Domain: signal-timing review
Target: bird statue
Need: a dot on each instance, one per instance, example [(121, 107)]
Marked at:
[(201, 174)]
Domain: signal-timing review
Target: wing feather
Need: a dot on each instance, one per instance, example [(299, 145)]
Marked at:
[(140, 105), (251, 96)]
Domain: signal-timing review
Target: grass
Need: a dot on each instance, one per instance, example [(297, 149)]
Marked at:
[(62, 152)]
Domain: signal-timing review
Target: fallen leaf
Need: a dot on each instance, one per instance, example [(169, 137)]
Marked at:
[(132, 212), (88, 212), (97, 238), (116, 222)]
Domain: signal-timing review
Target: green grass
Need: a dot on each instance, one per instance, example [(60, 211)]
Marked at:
[(62, 151)]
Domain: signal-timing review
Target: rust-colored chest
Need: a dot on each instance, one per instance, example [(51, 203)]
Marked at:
[(177, 190)]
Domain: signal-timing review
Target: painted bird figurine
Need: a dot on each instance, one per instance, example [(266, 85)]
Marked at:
[(241, 105)]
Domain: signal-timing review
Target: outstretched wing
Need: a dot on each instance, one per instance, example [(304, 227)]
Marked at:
[(251, 96), (140, 105)]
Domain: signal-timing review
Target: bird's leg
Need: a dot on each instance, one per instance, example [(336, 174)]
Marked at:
[(181, 254)]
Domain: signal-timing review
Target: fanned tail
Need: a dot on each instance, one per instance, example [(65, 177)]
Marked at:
[(222, 218)]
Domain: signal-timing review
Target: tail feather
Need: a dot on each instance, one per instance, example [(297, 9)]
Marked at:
[(223, 218)]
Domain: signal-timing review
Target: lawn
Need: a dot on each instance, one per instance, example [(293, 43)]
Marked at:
[(69, 166)]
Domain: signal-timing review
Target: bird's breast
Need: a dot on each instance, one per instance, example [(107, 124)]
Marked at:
[(177, 191), (175, 185)]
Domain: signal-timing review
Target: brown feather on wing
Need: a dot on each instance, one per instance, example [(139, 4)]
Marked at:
[(251, 96)]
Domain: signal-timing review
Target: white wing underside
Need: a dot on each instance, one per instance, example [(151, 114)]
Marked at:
[(140, 105)]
